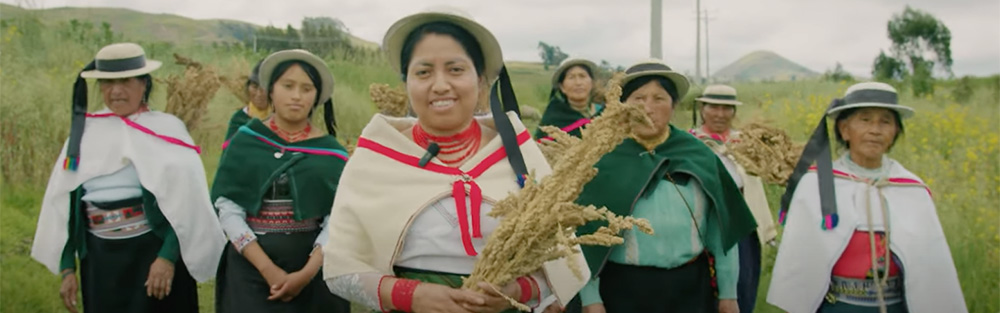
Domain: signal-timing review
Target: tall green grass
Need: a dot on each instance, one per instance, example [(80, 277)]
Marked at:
[(953, 146)]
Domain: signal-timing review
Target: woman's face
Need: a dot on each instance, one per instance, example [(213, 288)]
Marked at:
[(123, 96), (659, 107), (577, 85), (442, 84), (258, 97), (293, 95), (869, 132), (718, 118)]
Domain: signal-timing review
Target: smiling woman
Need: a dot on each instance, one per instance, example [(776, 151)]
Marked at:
[(444, 170)]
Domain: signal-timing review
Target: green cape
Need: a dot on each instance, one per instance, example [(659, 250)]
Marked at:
[(238, 119), (249, 165), (628, 171), (559, 114)]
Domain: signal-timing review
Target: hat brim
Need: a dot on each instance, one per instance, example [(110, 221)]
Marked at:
[(567, 65), (904, 111), (272, 61), (719, 101), (151, 65), (395, 37), (679, 80)]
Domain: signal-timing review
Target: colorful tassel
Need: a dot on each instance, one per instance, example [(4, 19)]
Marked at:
[(782, 217), (521, 180), (71, 163), (830, 221)]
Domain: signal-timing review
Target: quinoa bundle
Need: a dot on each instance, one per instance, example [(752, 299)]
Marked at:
[(237, 86), (539, 222), (188, 96), (389, 101), (766, 152)]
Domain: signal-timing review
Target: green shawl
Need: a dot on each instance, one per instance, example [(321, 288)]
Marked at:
[(251, 163), (628, 171), (559, 114), (238, 119)]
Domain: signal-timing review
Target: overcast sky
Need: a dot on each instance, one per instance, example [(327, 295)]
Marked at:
[(814, 33)]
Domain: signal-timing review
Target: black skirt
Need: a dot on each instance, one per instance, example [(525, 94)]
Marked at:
[(242, 289), (114, 272), (685, 289)]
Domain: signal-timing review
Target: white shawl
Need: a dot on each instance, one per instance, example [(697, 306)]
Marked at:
[(378, 198), (801, 275), (172, 173)]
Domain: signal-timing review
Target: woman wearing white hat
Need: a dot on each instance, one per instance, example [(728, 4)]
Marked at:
[(670, 178), (861, 233), (128, 198), (411, 213), (718, 109), (571, 104), (274, 187)]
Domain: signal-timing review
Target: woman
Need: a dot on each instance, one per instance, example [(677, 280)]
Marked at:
[(669, 177), (571, 103), (275, 183), (408, 223), (862, 233), (258, 108), (718, 109), (128, 199)]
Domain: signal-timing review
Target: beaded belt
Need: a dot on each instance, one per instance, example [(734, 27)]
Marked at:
[(277, 216), (862, 292), (119, 223)]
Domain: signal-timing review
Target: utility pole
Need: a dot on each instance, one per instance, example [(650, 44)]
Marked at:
[(656, 30), (697, 59), (708, 70)]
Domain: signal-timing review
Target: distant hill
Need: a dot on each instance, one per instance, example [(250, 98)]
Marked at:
[(763, 66), (161, 27)]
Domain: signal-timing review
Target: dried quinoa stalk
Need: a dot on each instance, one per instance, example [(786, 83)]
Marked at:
[(766, 152), (389, 101), (188, 95), (539, 222)]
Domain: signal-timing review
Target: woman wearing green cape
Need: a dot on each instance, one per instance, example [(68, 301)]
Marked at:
[(571, 102), (273, 190), (669, 177)]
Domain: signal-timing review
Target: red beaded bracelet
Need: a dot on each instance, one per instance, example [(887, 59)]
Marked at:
[(402, 294), (526, 289), (379, 289), (538, 290)]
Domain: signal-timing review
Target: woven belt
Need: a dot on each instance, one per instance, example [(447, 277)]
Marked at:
[(862, 292), (277, 216), (119, 223)]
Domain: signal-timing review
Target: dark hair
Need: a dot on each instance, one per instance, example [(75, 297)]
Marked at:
[(635, 84), (848, 112), (311, 71), (562, 76), (557, 92), (464, 38), (149, 87), (254, 78)]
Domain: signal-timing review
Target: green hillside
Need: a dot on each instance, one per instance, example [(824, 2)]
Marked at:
[(154, 27)]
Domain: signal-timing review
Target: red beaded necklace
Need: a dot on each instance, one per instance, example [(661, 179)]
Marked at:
[(290, 136), (468, 140)]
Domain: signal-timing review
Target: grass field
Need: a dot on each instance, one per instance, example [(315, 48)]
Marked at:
[(952, 145)]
